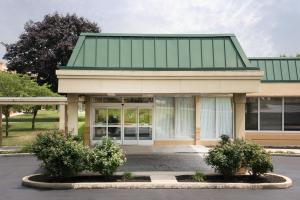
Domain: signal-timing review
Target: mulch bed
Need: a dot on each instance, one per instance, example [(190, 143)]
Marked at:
[(87, 179), (236, 179)]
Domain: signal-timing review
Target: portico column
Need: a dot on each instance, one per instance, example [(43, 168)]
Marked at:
[(197, 119), (72, 110), (86, 135), (62, 117), (239, 100)]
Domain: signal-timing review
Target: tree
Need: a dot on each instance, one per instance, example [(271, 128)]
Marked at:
[(45, 45), (15, 85), (32, 89)]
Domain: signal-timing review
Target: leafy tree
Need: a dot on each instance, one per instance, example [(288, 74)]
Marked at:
[(15, 85), (45, 45), (32, 89)]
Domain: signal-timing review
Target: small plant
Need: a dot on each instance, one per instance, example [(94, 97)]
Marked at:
[(127, 176), (198, 176), (106, 157), (61, 156)]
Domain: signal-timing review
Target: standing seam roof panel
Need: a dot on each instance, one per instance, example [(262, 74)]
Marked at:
[(161, 52)]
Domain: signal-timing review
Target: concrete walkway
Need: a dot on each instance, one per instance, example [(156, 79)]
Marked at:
[(163, 149)]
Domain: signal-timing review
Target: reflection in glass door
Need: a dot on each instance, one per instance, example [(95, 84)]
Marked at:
[(129, 124), (145, 125), (107, 123)]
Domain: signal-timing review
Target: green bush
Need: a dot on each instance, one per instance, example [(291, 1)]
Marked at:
[(198, 176), (257, 160), (106, 157), (225, 158), (228, 157), (60, 154)]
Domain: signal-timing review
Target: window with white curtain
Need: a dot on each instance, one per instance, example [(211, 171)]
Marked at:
[(174, 117), (215, 117)]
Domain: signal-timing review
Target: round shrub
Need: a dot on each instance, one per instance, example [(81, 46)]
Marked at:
[(225, 158), (60, 154), (257, 160), (106, 157), (228, 157)]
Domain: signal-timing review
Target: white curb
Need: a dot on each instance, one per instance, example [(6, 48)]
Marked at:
[(157, 185)]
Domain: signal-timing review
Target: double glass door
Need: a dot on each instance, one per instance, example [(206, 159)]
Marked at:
[(127, 124)]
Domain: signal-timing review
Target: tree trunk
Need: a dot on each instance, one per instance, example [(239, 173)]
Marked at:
[(35, 111), (6, 114), (6, 125)]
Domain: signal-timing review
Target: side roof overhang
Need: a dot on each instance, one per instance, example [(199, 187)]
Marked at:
[(149, 63)]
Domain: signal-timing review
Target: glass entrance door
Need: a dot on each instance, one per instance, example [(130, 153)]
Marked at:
[(108, 123), (126, 124), (130, 125)]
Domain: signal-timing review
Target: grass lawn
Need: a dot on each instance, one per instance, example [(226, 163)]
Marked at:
[(20, 132)]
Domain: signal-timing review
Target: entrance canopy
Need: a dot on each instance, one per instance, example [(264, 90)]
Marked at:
[(33, 100)]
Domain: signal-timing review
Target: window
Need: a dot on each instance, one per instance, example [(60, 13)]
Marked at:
[(174, 117), (292, 114), (216, 117), (269, 113), (107, 123), (251, 114)]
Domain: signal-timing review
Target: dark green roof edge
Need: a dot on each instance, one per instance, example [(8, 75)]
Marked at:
[(155, 35), (76, 50), (280, 81), (160, 69)]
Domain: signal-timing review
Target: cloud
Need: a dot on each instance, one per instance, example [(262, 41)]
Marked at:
[(203, 16), (257, 24)]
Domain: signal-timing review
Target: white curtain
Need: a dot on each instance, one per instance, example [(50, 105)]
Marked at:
[(208, 118), (164, 117), (223, 116), (216, 117), (184, 117)]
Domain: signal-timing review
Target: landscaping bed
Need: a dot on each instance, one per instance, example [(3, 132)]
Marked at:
[(268, 178), (88, 179)]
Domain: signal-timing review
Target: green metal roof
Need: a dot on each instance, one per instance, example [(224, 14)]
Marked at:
[(279, 69), (158, 52)]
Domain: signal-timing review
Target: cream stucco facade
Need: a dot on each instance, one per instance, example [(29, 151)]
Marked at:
[(90, 83)]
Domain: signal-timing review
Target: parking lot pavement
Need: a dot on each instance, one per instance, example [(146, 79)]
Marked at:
[(12, 169)]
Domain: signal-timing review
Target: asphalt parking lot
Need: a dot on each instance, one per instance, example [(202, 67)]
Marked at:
[(12, 169)]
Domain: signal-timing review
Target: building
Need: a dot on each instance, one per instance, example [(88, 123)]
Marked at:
[(180, 89), (2, 66)]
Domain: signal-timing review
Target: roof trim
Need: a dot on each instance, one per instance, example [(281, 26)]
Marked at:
[(76, 50), (155, 35), (161, 69), (241, 51)]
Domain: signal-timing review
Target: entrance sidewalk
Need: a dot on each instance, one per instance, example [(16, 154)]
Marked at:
[(163, 149)]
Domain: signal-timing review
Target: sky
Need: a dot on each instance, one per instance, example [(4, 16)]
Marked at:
[(263, 27)]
